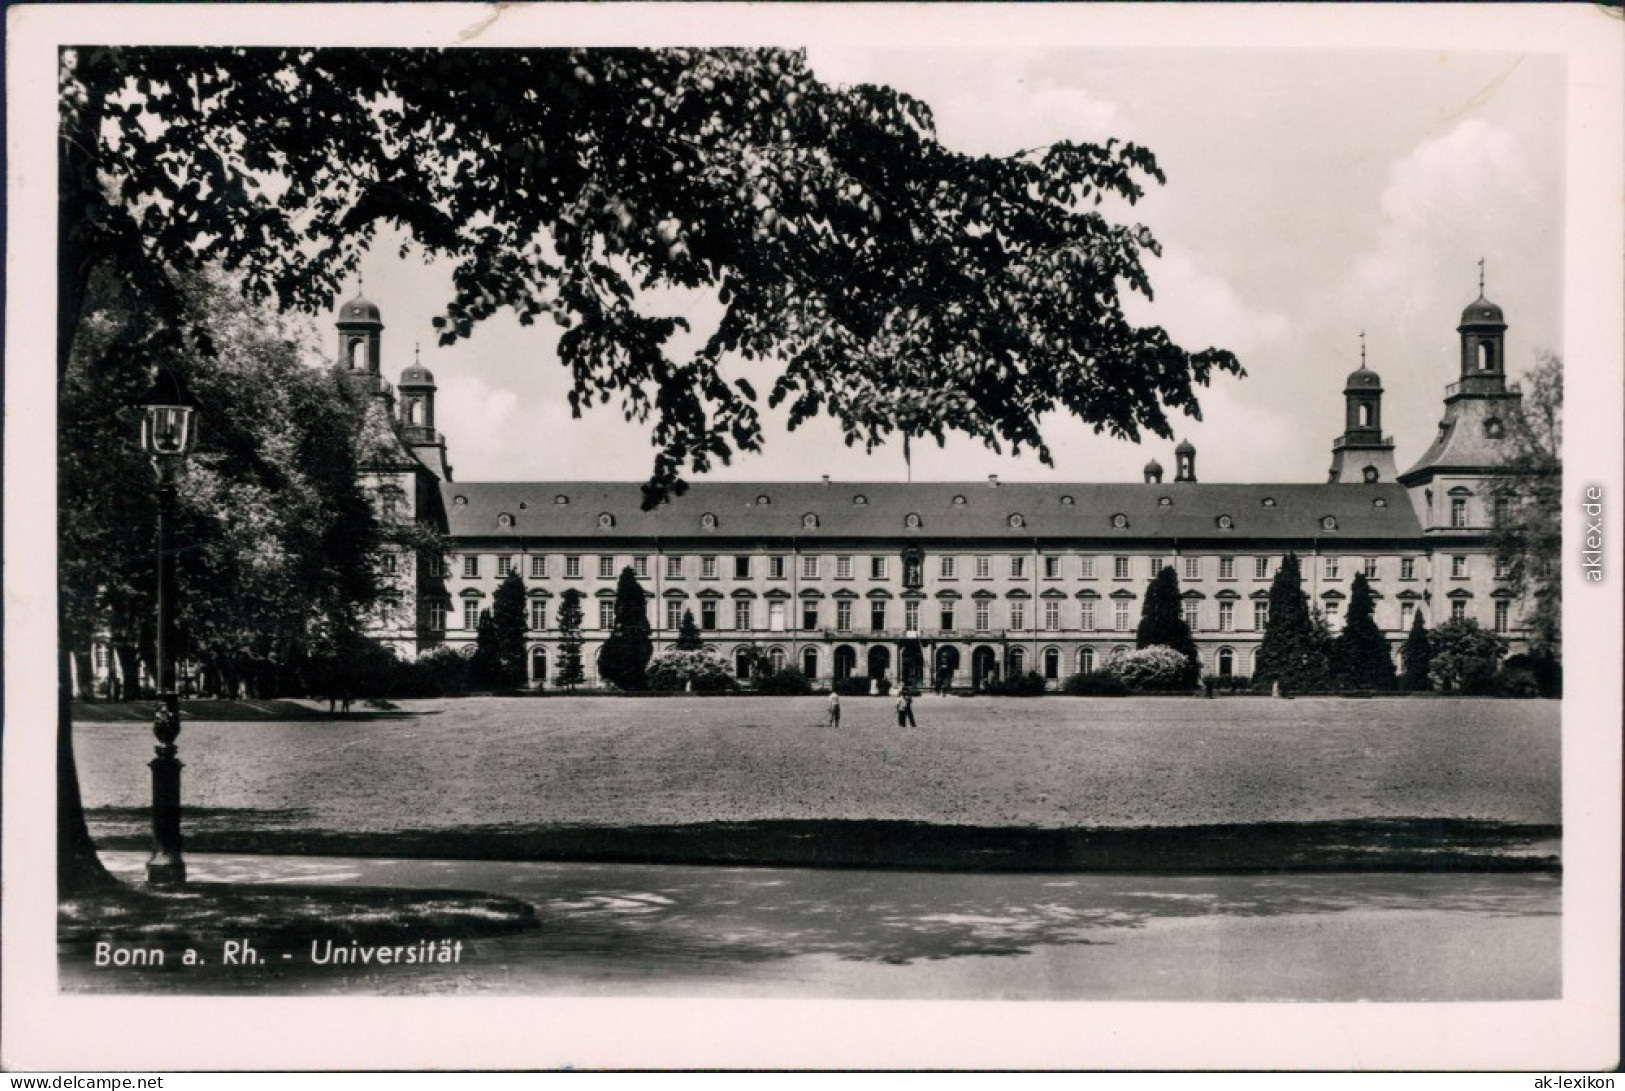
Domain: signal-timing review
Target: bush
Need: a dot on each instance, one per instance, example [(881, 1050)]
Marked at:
[(1544, 667), (788, 682), (1517, 682), (1030, 684), (442, 672), (674, 671), (1095, 684), (1149, 670), (1232, 683)]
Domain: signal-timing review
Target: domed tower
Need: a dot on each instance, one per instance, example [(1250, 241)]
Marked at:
[(361, 337), (1448, 482), (1362, 454), (417, 389), (1483, 357), (1153, 472), (1185, 461)]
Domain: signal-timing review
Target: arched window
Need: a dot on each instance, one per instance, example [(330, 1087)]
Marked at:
[(538, 665), (414, 411), (775, 658), (1086, 660), (1365, 415), (809, 662), (1018, 661), (358, 354), (1052, 664), (1227, 662), (743, 658), (1486, 356)]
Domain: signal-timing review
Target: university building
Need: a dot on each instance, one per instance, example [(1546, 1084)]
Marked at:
[(970, 579)]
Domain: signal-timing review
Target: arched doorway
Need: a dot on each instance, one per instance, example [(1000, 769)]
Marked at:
[(846, 662), (1052, 664), (538, 665), (1086, 660), (947, 665), (1227, 662), (809, 662), (879, 661), (984, 667), (1018, 661), (912, 663), (775, 659), (743, 659)]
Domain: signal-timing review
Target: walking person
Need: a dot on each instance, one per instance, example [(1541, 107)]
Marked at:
[(835, 710), (905, 709)]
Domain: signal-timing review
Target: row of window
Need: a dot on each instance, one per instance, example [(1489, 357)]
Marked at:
[(948, 567), (948, 615)]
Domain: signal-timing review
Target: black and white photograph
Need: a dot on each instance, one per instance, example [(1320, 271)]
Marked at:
[(617, 536)]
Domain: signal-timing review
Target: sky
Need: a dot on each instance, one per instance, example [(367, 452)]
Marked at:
[(1311, 195)]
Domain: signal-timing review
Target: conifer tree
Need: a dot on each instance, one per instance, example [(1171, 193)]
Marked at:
[(627, 652), (1418, 657), (1162, 623), (1291, 653), (1360, 656), (688, 634), (505, 664), (481, 665), (570, 673)]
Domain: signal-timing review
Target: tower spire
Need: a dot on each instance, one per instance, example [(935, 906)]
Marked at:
[(1362, 348), (1481, 278)]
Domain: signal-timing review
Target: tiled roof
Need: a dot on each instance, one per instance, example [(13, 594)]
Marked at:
[(1463, 442), (1016, 511)]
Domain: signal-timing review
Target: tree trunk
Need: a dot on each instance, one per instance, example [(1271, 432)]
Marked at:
[(78, 869)]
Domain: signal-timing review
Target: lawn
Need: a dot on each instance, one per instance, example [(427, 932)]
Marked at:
[(1059, 763)]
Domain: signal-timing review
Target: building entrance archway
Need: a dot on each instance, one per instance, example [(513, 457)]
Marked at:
[(879, 661), (984, 667), (912, 663), (947, 665), (846, 662)]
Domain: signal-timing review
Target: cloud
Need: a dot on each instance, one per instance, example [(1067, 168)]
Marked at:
[(478, 419), (1199, 307)]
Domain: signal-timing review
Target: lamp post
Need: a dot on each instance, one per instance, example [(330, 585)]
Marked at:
[(168, 431)]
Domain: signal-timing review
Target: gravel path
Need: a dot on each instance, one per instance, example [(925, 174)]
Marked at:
[(1049, 763)]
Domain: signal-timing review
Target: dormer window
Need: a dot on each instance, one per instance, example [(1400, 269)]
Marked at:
[(860, 499), (1492, 428), (504, 520), (763, 499), (1165, 501), (1066, 501), (959, 501), (1226, 523), (460, 500), (1120, 521), (606, 520), (912, 521), (1329, 523), (708, 521), (1268, 501), (561, 499), (809, 521), (1370, 475), (1017, 521)]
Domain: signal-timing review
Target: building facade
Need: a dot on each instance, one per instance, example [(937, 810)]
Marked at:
[(961, 581)]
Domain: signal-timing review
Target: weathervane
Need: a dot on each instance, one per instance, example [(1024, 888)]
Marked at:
[(1481, 278), (1362, 348)]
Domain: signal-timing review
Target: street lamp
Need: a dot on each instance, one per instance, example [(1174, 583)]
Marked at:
[(168, 431)]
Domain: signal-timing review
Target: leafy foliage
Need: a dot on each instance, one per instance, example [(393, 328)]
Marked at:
[(1526, 497), (625, 655), (570, 674), (1360, 655), (681, 669), (897, 285), (1162, 623), (1155, 669), (1465, 655), (1293, 651), (688, 634), (1417, 657), (1028, 684)]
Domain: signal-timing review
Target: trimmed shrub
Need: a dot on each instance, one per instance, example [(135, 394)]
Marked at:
[(1095, 684), (1149, 670), (673, 671), (788, 682), (442, 672), (1030, 684)]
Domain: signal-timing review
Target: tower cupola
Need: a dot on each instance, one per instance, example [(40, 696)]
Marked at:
[(1483, 345), (1153, 472), (1185, 461), (1362, 454), (361, 331)]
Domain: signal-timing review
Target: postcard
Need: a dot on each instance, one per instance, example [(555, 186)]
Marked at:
[(813, 536)]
